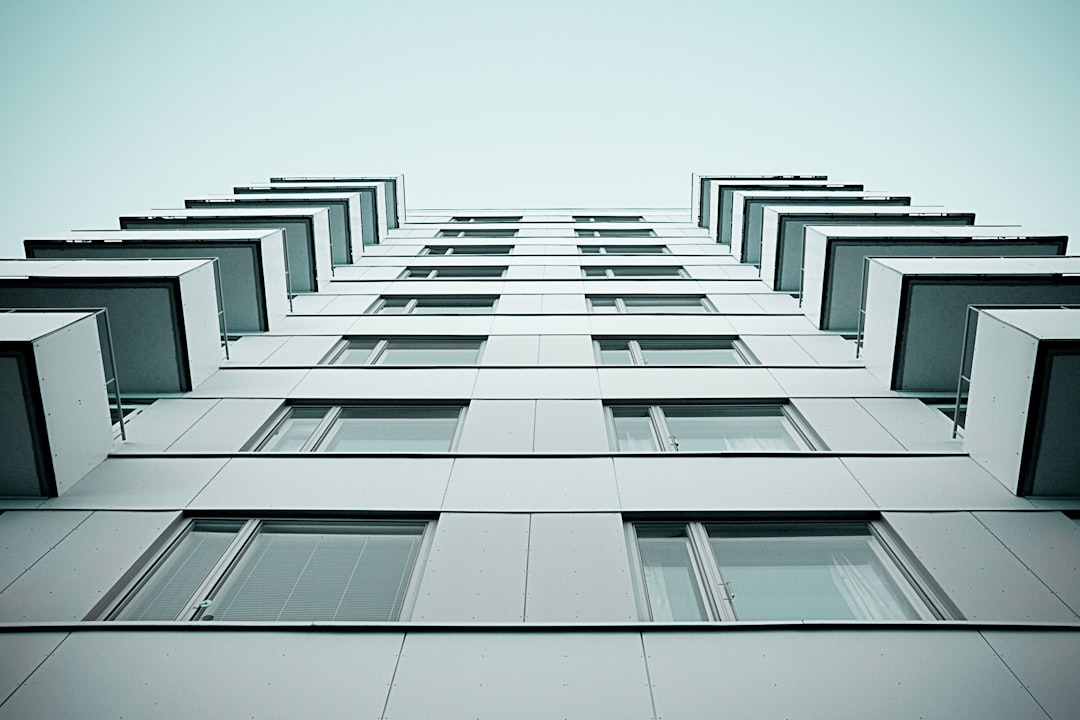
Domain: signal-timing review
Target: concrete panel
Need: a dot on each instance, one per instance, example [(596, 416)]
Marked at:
[(845, 426), (532, 484), (140, 484), (578, 569), (675, 382), (732, 304), (777, 350), (475, 572), (385, 383), (158, 425), (977, 572), (498, 426), (540, 325), (253, 349), (699, 484), (540, 383), (518, 305), (830, 382), (770, 325), (832, 674), (463, 676), (227, 426), (475, 325), (217, 674), (26, 536), (828, 349), (253, 383), (570, 426), (931, 483), (303, 350), (1045, 662), (67, 582), (348, 304), (562, 304), (1048, 543), (20, 654), (318, 483), (631, 325), (566, 350), (511, 350), (918, 427)]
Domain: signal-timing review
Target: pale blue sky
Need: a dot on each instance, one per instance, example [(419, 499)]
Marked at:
[(118, 106)]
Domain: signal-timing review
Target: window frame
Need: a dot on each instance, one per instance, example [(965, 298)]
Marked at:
[(423, 272), (717, 593), (376, 355), (621, 307), (488, 219), (123, 593), (608, 218), (665, 440), (613, 233), (742, 353), (623, 250), (444, 250), (612, 272), (413, 301), (477, 233), (334, 411)]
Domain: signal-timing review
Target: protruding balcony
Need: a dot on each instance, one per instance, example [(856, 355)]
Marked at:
[(1024, 402), (393, 191), (346, 231), (834, 259), (163, 313), (251, 263), (53, 401), (748, 212), (307, 234), (916, 310), (783, 226)]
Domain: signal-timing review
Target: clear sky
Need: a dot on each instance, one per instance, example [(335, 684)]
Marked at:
[(118, 106)]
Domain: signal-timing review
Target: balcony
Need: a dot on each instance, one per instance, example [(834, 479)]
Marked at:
[(1024, 399), (916, 310), (251, 263), (307, 235), (163, 313), (55, 411), (834, 258)]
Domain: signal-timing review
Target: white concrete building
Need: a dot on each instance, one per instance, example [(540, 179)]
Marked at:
[(521, 463)]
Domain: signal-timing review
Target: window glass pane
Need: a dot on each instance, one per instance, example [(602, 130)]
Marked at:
[(292, 432), (614, 352), (168, 591), (470, 272), (392, 429), (482, 250), (634, 429), (744, 427), (437, 250), (670, 580), (607, 218), (647, 272), (595, 272), (834, 572), (430, 352), (603, 305), (356, 352), (662, 304), (394, 306), (454, 306), (322, 571), (589, 249), (417, 272), (689, 352)]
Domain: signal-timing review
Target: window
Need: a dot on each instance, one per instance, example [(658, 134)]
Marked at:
[(775, 571), (608, 218), (648, 304), (623, 250), (718, 427), (362, 428), (669, 351), (270, 570), (659, 271), (486, 219), (450, 273), (434, 305), (467, 250), (406, 351), (615, 233), (494, 232)]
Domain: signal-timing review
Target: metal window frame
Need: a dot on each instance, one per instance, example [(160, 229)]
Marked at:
[(201, 599), (667, 442), (717, 593), (627, 250), (609, 272), (412, 302), (637, 354), (621, 307), (377, 354)]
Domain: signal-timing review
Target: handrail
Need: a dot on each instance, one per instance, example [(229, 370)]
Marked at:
[(115, 381)]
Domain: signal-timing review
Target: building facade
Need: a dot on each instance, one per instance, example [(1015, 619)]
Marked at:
[(292, 452)]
